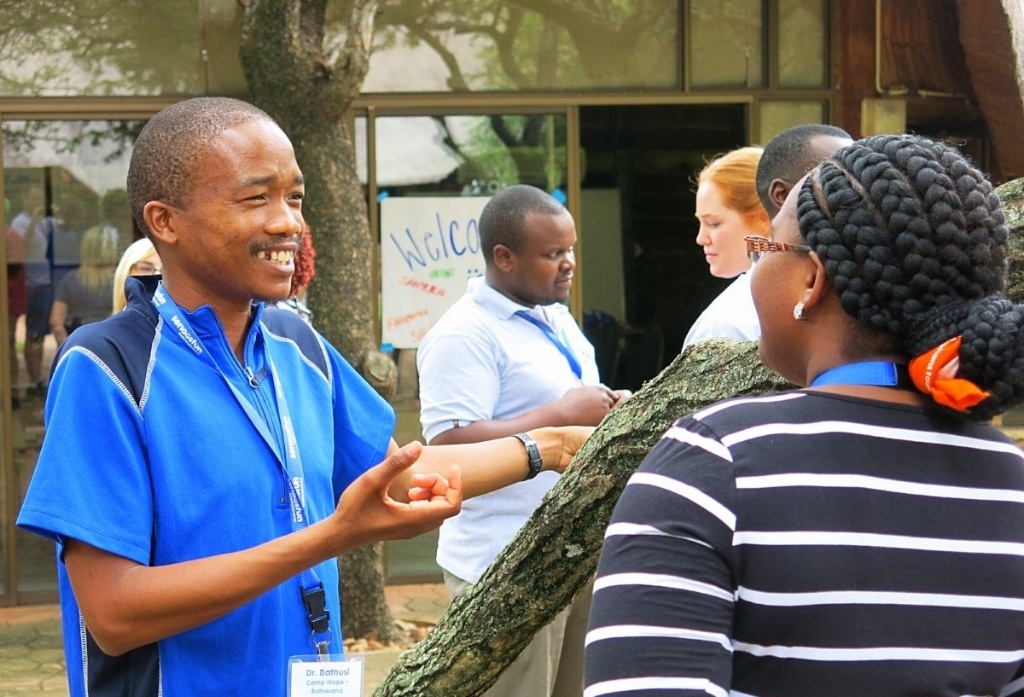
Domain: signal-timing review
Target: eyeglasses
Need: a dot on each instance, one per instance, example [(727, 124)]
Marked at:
[(144, 268), (756, 246)]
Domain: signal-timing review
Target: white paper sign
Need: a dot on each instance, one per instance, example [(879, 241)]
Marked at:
[(429, 248)]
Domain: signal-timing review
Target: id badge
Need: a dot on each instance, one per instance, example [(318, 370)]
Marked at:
[(310, 676)]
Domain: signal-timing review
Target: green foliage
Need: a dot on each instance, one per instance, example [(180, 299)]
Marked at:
[(111, 138), (497, 151), (539, 44), (99, 47)]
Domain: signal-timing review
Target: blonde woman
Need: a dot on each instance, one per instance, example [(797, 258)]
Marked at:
[(729, 209), (139, 259), (82, 295)]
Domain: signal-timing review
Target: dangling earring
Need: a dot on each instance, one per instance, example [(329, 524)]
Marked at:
[(798, 312)]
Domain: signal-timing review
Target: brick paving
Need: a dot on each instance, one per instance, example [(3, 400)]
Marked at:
[(31, 657)]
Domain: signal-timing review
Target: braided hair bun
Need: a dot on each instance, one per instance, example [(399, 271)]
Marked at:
[(913, 239)]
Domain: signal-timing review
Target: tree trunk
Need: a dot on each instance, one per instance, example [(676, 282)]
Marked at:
[(555, 553), (1011, 195), (288, 77), (363, 607)]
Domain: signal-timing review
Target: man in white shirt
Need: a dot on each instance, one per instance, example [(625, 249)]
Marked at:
[(505, 358)]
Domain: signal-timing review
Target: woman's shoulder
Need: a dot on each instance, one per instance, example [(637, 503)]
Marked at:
[(745, 411)]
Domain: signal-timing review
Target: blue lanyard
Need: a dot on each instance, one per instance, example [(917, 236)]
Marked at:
[(879, 373), (550, 334), (313, 595)]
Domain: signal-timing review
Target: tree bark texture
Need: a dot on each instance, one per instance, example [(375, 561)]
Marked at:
[(1011, 194), (364, 605), (289, 78), (555, 553)]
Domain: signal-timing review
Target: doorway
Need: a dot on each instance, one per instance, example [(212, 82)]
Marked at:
[(639, 163)]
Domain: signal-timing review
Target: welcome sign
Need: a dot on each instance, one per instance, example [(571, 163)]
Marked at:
[(429, 248)]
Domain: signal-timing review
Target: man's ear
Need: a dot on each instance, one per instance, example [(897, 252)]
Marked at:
[(160, 218), (778, 190), (504, 258)]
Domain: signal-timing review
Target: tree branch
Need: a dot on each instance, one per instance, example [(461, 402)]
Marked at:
[(456, 80), (555, 553)]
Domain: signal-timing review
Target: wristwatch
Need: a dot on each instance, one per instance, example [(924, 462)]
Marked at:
[(533, 453)]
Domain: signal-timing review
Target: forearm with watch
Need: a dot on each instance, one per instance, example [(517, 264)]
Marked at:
[(490, 465), (534, 461), (550, 449)]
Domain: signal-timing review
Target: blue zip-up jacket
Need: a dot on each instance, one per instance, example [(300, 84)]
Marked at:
[(161, 453)]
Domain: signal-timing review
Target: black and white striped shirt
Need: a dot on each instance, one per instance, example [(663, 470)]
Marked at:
[(807, 544)]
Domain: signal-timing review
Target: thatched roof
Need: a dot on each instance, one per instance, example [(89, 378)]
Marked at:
[(959, 66), (992, 37)]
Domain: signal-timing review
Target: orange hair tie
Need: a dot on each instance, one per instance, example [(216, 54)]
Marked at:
[(934, 373)]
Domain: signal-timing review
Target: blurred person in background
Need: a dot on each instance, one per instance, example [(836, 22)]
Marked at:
[(790, 155), (305, 269), (83, 295), (139, 259)]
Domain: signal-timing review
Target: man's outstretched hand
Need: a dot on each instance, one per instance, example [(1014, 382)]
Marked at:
[(367, 513)]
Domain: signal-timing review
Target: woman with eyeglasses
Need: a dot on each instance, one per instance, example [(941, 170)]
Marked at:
[(863, 534), (139, 259), (728, 209)]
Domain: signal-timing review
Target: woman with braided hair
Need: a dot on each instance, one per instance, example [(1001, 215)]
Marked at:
[(862, 535)]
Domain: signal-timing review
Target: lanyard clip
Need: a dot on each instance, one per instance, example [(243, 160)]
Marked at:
[(317, 613)]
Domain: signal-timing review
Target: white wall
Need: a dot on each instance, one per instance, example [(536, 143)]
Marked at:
[(601, 259)]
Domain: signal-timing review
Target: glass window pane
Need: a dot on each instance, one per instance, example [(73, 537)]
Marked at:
[(67, 226), (776, 117), (465, 155), (461, 46), (222, 31), (430, 203), (411, 151), (726, 43), (100, 47), (802, 46)]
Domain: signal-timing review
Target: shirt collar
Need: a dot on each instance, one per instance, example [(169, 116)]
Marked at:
[(204, 320), (500, 305)]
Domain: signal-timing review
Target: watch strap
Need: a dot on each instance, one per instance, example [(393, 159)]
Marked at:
[(535, 462)]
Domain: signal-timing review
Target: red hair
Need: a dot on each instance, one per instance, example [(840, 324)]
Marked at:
[(735, 175), (305, 264)]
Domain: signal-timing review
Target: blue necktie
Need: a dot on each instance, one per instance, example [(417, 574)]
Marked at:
[(550, 334)]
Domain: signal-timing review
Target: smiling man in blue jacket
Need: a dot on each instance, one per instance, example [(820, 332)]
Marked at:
[(207, 457)]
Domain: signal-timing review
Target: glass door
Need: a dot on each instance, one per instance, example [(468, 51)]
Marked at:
[(67, 222)]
